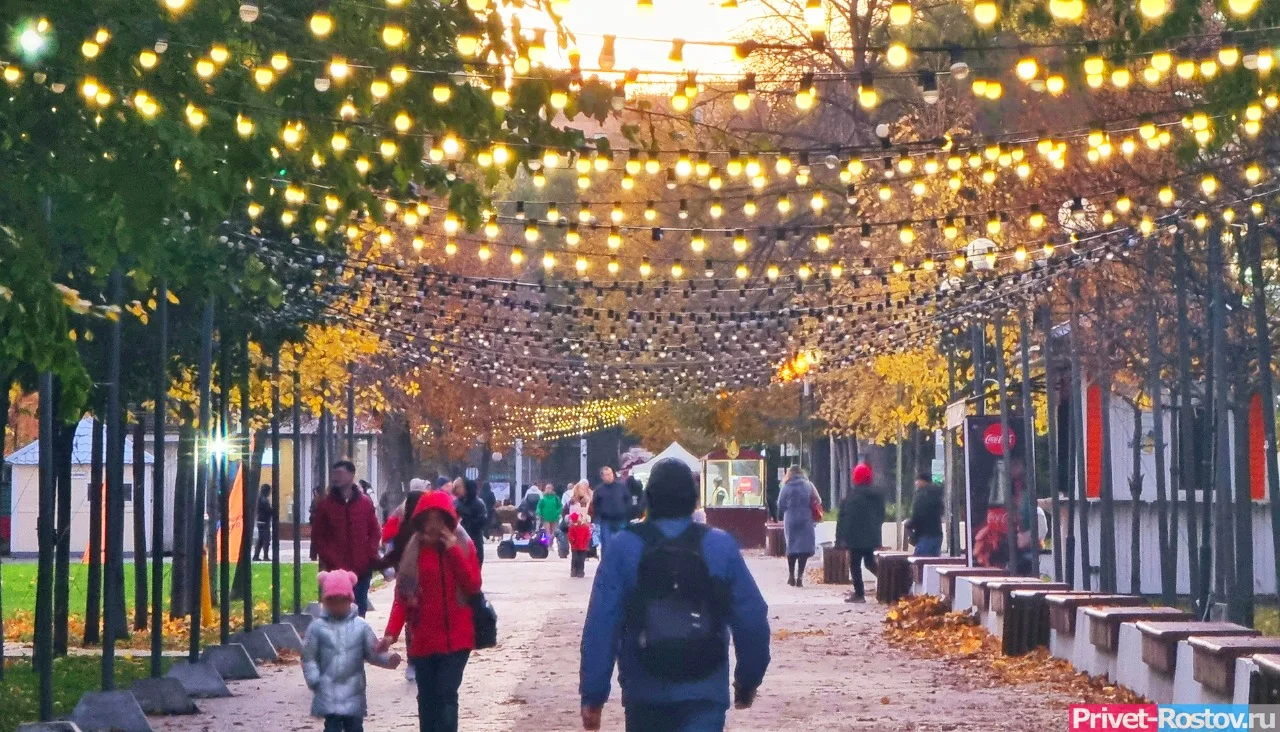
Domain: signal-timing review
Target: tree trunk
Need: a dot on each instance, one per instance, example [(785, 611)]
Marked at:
[(1079, 507), (5, 383), (1135, 506), (42, 641), (116, 625), (140, 609), (1187, 478), (1168, 558), (93, 595), (64, 438), (182, 508)]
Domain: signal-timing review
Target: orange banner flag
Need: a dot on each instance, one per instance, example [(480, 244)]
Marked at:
[(235, 514)]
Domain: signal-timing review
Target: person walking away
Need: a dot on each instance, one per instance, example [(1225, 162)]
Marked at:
[(472, 514), (635, 489), (612, 506), (924, 528), (859, 527), (796, 501), (666, 599), (490, 508), (579, 540), (396, 535), (549, 509), (336, 647), (442, 563), (345, 530), (266, 511)]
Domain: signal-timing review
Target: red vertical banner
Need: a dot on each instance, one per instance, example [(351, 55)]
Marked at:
[(1257, 451), (1093, 441)]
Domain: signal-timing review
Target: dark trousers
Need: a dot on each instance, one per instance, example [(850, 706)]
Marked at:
[(362, 593), (263, 546), (479, 544), (578, 564), (683, 717), (339, 723), (856, 558), (438, 678)]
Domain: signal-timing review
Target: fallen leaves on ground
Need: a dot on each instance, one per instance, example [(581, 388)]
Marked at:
[(785, 634), (924, 626)]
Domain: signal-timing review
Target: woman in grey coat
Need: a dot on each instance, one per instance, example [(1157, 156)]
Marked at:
[(795, 506), (334, 652)]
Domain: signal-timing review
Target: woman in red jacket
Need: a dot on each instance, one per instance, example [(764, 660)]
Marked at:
[(438, 576)]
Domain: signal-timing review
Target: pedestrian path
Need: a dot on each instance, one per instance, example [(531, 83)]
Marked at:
[(832, 670)]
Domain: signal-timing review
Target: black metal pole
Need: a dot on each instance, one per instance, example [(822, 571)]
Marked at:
[(1168, 561), (275, 485), (953, 512), (196, 574), (1031, 491), (157, 480), (351, 412), (1051, 397), (224, 487), (1080, 519), (248, 487), (978, 334), (1221, 418), (93, 591), (1006, 449), (46, 538), (114, 596), (1186, 415), (297, 491)]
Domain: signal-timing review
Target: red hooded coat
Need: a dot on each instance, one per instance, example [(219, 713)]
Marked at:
[(441, 618)]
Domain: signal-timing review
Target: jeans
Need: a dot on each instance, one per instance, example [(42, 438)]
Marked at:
[(929, 546), (699, 716), (339, 723), (609, 529), (362, 593), (438, 678), (263, 546), (856, 558)]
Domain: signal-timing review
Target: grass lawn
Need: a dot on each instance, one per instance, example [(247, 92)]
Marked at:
[(20, 584), (72, 677)]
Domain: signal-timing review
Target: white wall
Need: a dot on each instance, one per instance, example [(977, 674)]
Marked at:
[(26, 506)]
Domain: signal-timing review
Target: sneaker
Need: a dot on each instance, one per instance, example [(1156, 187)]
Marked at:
[(855, 599), (409, 673), (791, 581)]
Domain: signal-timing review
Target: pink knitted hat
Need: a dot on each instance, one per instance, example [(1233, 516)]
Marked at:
[(338, 583)]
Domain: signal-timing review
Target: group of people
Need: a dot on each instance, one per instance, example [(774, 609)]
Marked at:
[(668, 595)]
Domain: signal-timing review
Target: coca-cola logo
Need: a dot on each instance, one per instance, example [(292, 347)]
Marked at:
[(991, 438)]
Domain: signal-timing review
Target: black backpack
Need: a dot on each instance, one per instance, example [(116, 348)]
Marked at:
[(678, 611)]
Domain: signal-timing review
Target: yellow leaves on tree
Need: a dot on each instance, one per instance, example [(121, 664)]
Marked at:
[(324, 363), (891, 392)]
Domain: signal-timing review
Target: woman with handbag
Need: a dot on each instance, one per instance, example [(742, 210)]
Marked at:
[(437, 590), (800, 508)]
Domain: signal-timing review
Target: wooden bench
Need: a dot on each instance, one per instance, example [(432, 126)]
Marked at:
[(982, 585), (1215, 658), (893, 576), (947, 578), (1160, 639), (918, 565), (1104, 628), (1024, 614), (1264, 686), (1063, 606)]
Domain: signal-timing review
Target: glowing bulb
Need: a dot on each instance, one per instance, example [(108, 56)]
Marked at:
[(897, 55), (442, 93), (985, 12), (1153, 9), (321, 24), (1027, 68), (900, 12)]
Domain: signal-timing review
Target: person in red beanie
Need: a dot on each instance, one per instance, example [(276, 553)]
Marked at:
[(858, 527), (438, 575)]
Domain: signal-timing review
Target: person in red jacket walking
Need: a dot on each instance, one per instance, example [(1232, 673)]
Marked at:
[(434, 603), (345, 530), (579, 539)]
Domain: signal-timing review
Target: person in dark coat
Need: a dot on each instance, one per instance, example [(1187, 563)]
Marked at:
[(924, 528), (858, 527), (472, 514), (265, 513), (612, 506), (490, 506)]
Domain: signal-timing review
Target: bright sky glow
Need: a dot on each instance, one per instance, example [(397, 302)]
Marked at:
[(691, 20)]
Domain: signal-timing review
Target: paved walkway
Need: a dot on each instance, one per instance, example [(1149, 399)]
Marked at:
[(832, 670)]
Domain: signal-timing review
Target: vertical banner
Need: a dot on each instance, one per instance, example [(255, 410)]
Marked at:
[(986, 517)]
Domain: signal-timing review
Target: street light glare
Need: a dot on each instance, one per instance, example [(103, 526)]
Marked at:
[(32, 41)]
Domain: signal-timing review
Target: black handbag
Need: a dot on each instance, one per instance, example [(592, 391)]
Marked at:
[(485, 620)]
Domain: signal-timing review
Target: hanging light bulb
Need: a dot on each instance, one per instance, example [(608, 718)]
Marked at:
[(900, 12), (1242, 7), (897, 55), (677, 270), (985, 12), (321, 23), (1027, 68), (1153, 9)]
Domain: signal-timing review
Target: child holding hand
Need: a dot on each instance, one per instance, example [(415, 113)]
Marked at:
[(334, 652)]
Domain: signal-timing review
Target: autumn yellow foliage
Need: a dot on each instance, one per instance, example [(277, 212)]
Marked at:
[(888, 393)]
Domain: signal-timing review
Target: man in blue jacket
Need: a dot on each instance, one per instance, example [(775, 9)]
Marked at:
[(654, 704)]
